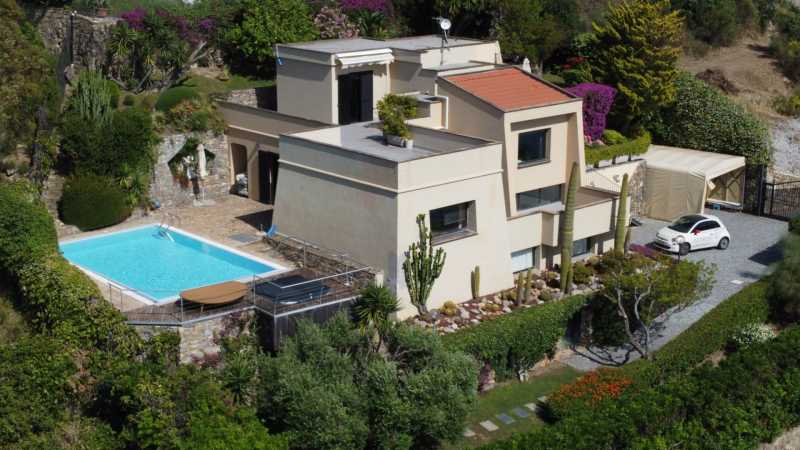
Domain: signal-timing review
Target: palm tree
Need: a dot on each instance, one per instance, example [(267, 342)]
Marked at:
[(372, 310)]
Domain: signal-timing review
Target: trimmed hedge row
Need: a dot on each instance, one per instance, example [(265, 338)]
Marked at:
[(26, 228), (750, 398), (514, 342), (93, 201), (638, 146)]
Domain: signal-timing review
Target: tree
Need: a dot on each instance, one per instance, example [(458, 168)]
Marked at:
[(712, 21), (622, 216), (641, 289), (637, 49), (327, 389), (525, 29), (784, 288), (422, 267), (567, 222), (372, 311), (264, 23)]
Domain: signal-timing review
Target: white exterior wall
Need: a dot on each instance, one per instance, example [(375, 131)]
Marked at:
[(307, 89)]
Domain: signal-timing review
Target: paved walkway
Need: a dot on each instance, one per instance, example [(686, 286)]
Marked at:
[(754, 246)]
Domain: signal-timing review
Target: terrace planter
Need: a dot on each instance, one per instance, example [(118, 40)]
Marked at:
[(398, 141)]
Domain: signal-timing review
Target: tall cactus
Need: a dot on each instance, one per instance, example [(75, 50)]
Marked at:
[(475, 282), (422, 267), (520, 289), (622, 214), (528, 283), (567, 224)]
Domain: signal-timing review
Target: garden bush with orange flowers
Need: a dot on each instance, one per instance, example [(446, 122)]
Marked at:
[(588, 390)]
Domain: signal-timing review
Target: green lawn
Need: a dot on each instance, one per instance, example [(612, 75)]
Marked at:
[(508, 396), (208, 85)]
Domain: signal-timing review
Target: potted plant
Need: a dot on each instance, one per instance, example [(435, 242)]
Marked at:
[(394, 110), (101, 7)]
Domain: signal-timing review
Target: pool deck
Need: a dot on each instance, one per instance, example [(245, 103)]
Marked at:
[(230, 216)]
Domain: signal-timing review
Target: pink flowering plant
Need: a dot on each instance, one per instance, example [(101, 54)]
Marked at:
[(597, 102), (332, 23)]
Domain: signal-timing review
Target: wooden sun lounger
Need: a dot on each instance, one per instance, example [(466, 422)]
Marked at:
[(216, 294)]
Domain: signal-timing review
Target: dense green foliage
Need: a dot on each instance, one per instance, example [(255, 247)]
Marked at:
[(703, 118), (718, 22), (328, 388), (750, 398), (514, 342), (525, 28), (92, 201), (630, 147), (195, 116), (393, 111), (785, 42), (93, 99), (261, 25), (26, 229), (784, 291), (29, 81), (172, 96), (636, 52)]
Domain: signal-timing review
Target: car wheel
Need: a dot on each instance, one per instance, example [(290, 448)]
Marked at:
[(723, 243), (683, 249)]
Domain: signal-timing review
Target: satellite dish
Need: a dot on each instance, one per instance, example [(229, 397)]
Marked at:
[(445, 24)]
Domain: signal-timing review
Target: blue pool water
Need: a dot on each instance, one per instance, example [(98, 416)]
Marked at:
[(156, 267)]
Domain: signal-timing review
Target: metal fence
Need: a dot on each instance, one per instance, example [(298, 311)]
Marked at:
[(781, 200)]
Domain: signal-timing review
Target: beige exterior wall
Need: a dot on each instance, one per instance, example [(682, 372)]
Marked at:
[(405, 77), (483, 52), (307, 89)]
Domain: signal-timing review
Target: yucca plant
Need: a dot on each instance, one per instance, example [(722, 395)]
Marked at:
[(372, 312)]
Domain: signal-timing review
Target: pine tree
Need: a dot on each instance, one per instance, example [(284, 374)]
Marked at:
[(636, 51)]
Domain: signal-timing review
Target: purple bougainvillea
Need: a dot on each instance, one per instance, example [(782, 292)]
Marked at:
[(371, 5), (135, 18), (597, 101)]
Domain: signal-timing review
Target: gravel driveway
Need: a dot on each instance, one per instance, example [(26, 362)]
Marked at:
[(754, 246)]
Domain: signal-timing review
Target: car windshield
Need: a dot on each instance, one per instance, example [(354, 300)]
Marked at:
[(685, 223)]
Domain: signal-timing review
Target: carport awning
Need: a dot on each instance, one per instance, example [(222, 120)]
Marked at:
[(706, 164), (679, 180)]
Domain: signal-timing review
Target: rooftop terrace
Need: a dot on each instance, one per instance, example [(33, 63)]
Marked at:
[(413, 43), (366, 138)]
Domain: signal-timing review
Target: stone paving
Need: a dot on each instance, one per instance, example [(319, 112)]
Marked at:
[(754, 246), (506, 418)]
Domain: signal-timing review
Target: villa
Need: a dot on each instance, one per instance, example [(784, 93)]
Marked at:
[(493, 146)]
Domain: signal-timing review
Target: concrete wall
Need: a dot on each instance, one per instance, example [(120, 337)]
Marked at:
[(307, 89), (610, 178), (484, 52)]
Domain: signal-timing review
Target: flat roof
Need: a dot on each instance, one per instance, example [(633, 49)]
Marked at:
[(412, 43), (509, 89), (366, 138)]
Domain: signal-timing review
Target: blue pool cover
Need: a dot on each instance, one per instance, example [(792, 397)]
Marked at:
[(157, 267)]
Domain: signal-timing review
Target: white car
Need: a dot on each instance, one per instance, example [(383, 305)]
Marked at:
[(693, 232)]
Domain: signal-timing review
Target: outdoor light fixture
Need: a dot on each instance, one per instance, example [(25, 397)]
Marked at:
[(445, 25)]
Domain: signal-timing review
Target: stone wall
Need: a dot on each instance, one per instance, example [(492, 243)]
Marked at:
[(89, 37), (636, 189), (263, 97), (169, 191), (201, 341)]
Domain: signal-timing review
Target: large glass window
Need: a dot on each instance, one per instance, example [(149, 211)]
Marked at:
[(453, 220), (538, 197), (580, 247), (532, 147)]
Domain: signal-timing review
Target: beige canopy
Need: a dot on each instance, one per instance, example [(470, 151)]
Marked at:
[(680, 181)]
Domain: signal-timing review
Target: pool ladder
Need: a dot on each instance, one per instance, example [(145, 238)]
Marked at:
[(165, 225)]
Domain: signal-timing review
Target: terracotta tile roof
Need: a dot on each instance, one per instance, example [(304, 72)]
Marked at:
[(508, 89)]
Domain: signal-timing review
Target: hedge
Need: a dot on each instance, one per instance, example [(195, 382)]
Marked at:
[(638, 146), (91, 202), (514, 342), (702, 118), (26, 228), (172, 96)]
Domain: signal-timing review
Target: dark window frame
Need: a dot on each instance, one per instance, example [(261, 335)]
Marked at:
[(545, 150), (588, 247), (540, 191), (466, 222)]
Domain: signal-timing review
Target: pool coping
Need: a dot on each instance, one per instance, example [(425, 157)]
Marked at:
[(143, 298)]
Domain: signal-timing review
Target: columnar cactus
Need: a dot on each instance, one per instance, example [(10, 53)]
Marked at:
[(528, 283), (520, 288), (475, 282), (422, 267), (567, 223), (622, 215)]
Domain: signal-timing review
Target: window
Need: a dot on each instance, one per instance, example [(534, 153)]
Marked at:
[(709, 225), (580, 247), (523, 259), (453, 221), (538, 197), (532, 147)]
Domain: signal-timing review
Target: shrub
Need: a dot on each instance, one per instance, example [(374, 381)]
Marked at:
[(613, 137), (607, 328), (702, 118), (90, 202), (172, 96), (394, 110), (752, 333), (129, 100), (788, 105), (638, 146), (784, 291), (581, 273), (597, 101), (449, 308), (514, 342), (195, 116), (794, 225), (587, 391), (26, 228), (712, 21)]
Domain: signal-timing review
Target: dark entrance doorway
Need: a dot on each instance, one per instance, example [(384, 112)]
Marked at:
[(267, 176), (355, 97)]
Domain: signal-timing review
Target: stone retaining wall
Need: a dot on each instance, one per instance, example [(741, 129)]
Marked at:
[(263, 97), (89, 37), (169, 192)]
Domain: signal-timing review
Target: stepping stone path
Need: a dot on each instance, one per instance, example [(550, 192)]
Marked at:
[(468, 433), (505, 418), (519, 412), (489, 425), (533, 407)]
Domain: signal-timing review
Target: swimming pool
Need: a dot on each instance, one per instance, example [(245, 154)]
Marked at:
[(159, 268)]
